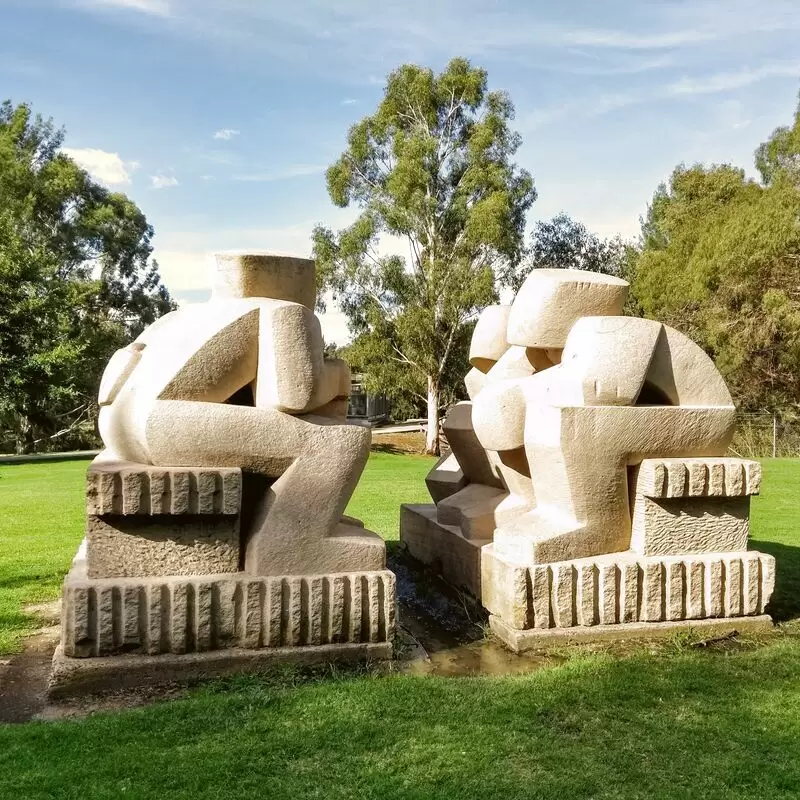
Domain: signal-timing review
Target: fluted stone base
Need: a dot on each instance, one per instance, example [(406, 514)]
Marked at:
[(186, 627), (622, 588), (183, 614)]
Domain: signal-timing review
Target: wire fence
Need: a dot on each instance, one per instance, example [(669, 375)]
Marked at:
[(765, 435)]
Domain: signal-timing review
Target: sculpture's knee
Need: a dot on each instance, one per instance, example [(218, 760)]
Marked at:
[(339, 446)]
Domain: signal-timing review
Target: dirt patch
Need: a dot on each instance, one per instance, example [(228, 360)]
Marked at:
[(49, 614), (23, 677), (398, 443)]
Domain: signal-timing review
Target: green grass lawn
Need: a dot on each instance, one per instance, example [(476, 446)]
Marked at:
[(684, 723)]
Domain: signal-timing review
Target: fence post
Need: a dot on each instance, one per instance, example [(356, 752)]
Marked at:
[(774, 435)]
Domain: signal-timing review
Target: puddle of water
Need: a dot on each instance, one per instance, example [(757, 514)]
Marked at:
[(477, 658), (447, 631)]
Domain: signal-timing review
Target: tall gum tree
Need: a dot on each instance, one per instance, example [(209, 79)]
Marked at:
[(432, 166)]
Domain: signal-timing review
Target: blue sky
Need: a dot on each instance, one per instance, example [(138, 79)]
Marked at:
[(219, 118)]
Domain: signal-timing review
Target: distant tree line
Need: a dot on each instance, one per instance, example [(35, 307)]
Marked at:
[(719, 258), (718, 255)]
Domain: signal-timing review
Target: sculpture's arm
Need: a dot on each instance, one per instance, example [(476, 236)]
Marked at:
[(498, 414), (293, 375)]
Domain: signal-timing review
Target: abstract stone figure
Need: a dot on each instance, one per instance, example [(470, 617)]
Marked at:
[(228, 453), (561, 521)]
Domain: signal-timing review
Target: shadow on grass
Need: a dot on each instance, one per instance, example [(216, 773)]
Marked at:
[(392, 449), (15, 626), (31, 580), (710, 726), (785, 602)]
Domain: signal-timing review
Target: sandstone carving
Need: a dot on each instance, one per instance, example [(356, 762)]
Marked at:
[(215, 513), (587, 484)]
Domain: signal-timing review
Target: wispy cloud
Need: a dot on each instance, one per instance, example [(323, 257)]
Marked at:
[(585, 108), (349, 101), (292, 171), (728, 81), (158, 8), (533, 34), (108, 168), (620, 65), (163, 181), (637, 41), (226, 134)]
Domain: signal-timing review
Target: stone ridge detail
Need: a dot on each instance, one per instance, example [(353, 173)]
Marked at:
[(184, 615), (624, 588), (697, 477), (137, 489)]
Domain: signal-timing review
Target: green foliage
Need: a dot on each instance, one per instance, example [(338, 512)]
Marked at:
[(76, 282), (564, 243), (779, 157), (720, 259), (372, 353), (433, 167)]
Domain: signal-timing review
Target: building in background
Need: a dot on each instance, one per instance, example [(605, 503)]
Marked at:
[(371, 408)]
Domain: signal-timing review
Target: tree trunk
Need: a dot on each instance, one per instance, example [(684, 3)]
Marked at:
[(432, 436), (23, 436)]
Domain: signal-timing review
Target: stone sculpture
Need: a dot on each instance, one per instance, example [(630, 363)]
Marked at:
[(587, 491), (215, 537)]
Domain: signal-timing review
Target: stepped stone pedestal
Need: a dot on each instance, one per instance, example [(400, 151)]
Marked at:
[(215, 535)]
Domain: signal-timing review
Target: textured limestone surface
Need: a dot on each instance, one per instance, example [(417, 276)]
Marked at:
[(625, 587), (72, 677), (192, 544), (119, 487), (692, 505), (183, 614), (442, 547), (589, 468), (522, 641)]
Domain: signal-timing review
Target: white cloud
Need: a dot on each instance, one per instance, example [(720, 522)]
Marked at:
[(158, 8), (728, 81), (108, 168), (316, 36), (163, 181), (349, 101), (292, 171), (226, 134)]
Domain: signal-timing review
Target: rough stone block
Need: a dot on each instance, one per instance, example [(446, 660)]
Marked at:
[(130, 546), (693, 505)]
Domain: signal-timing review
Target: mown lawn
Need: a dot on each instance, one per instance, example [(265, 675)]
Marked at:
[(685, 724)]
